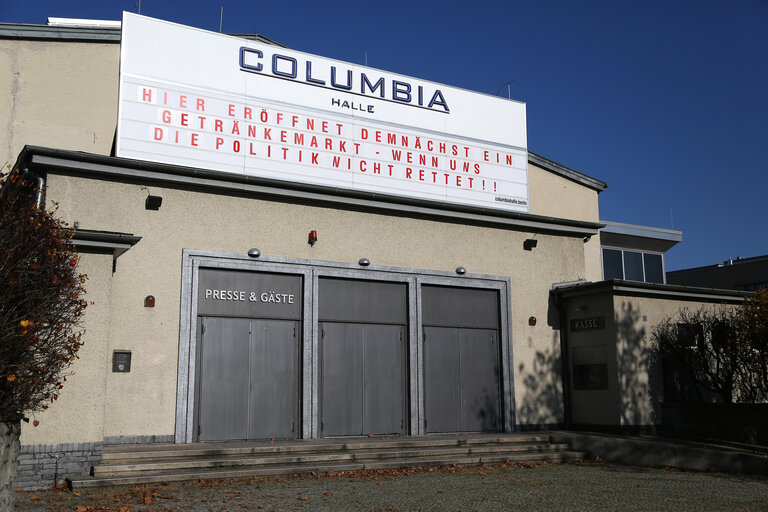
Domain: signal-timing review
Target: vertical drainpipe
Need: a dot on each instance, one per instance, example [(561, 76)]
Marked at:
[(40, 181), (39, 197)]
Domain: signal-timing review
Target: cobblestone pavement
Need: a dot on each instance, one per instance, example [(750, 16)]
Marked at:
[(531, 487)]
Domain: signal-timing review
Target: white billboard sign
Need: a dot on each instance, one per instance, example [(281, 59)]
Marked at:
[(201, 99)]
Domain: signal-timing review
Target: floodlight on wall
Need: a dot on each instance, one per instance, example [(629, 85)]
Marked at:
[(530, 243), (587, 238), (312, 238), (254, 253), (532, 321), (364, 262), (153, 202), (149, 301), (461, 271)]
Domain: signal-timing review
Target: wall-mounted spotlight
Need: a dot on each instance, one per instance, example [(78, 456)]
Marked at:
[(312, 238), (364, 262), (461, 271), (532, 321), (149, 301), (153, 202), (530, 243), (587, 238), (254, 253)]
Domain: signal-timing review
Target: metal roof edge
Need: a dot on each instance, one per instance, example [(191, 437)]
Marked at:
[(94, 34), (622, 287), (60, 33), (621, 228), (261, 38), (108, 241), (567, 172), (77, 162)]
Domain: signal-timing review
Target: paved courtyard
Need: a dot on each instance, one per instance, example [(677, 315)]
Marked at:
[(591, 486)]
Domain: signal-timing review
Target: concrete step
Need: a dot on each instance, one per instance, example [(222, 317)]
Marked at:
[(242, 472), (362, 455), (111, 454)]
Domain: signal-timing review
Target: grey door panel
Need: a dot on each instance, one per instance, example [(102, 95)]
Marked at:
[(248, 379), (461, 380), (480, 378), (384, 385), (342, 379), (447, 306), (462, 377), (224, 379), (442, 383), (362, 379), (348, 300), (274, 379)]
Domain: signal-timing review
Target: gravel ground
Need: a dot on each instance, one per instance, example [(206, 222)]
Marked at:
[(547, 487)]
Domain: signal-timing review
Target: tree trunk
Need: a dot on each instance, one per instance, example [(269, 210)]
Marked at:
[(9, 461)]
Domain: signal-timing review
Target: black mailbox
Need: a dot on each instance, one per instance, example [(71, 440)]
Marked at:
[(121, 362)]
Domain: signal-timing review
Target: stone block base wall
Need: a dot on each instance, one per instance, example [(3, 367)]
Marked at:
[(42, 466), (45, 465)]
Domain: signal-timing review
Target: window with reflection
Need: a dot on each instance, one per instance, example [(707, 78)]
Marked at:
[(640, 266)]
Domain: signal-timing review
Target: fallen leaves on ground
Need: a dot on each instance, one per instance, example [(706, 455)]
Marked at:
[(124, 499)]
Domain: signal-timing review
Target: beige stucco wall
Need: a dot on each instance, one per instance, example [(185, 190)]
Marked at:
[(224, 223), (57, 94), (64, 95), (552, 195), (78, 414), (640, 378), (599, 406), (634, 376), (593, 260)]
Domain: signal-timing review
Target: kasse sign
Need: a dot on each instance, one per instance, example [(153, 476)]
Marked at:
[(201, 99)]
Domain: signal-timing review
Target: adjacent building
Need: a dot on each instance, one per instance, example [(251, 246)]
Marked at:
[(748, 274)]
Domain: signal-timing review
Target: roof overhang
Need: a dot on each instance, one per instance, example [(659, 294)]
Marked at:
[(644, 238), (92, 33), (103, 241), (566, 172), (638, 289), (42, 161)]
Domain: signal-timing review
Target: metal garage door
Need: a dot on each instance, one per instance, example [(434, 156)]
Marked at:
[(248, 379), (462, 377), (248, 355), (362, 357)]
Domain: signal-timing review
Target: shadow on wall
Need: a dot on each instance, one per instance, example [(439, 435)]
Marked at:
[(542, 402), (484, 412), (638, 370)]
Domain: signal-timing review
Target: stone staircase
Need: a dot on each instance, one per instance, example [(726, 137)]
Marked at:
[(131, 464)]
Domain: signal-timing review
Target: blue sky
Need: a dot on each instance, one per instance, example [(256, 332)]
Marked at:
[(667, 101)]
